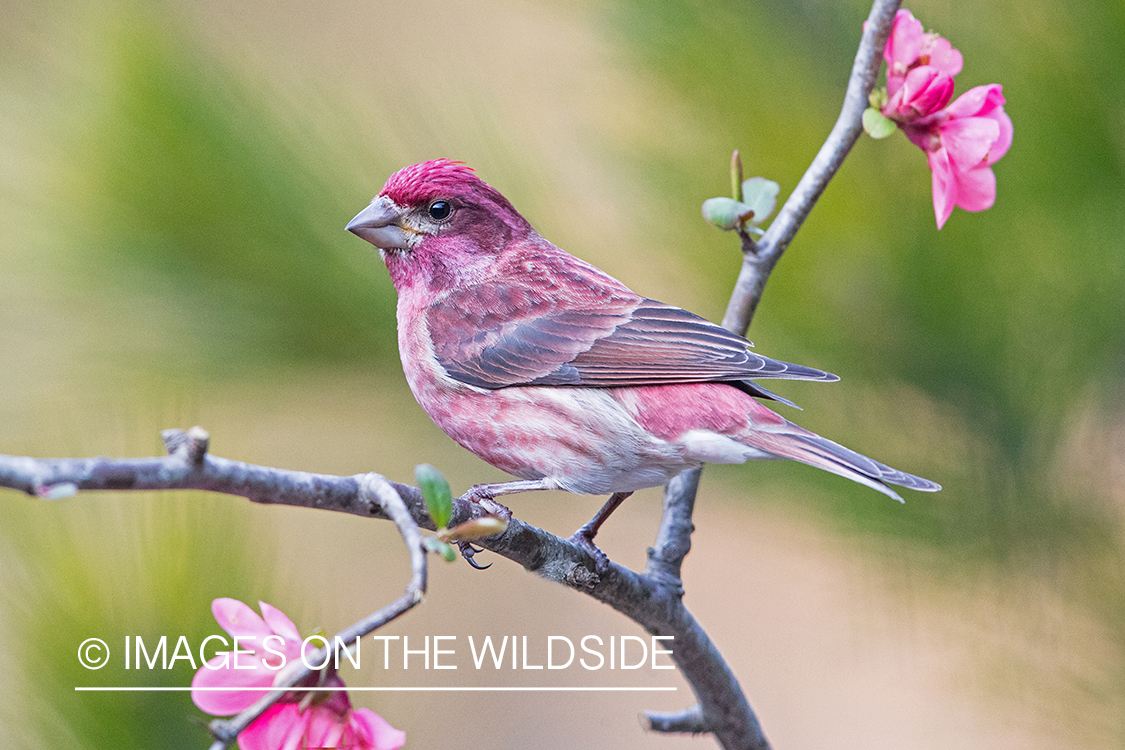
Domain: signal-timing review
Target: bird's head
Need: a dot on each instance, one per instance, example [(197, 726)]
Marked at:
[(438, 224)]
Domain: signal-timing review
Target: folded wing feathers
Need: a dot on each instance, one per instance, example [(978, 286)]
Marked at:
[(617, 345), (664, 344)]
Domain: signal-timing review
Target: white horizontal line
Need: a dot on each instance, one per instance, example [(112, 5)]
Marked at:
[(158, 689)]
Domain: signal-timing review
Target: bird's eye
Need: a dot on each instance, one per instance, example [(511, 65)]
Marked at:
[(440, 210)]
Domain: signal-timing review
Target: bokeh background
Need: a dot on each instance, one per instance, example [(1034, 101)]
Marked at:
[(174, 181)]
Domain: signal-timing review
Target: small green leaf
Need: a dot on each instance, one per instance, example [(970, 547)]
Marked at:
[(725, 213), (876, 125), (433, 544), (436, 493), (760, 196)]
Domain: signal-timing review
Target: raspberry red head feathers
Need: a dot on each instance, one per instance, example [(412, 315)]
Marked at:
[(444, 179), (423, 182)]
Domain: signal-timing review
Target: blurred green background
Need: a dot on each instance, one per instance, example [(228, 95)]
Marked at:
[(174, 182)]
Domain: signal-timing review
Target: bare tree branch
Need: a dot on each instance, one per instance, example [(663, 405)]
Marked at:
[(653, 603)]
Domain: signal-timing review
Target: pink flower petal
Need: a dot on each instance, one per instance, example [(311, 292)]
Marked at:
[(325, 727), (968, 140), (226, 702), (977, 101), (375, 730), (296, 739), (902, 49), (944, 185), (279, 623), (238, 619), (905, 42), (976, 189), (944, 57), (1004, 141), (281, 726)]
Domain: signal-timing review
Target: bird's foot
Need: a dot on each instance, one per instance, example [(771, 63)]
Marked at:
[(484, 495), (493, 508), (584, 537), (584, 540), (467, 552)]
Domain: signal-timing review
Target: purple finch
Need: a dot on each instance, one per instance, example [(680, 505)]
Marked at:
[(552, 370)]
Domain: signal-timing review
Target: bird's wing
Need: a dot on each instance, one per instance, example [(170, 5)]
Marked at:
[(660, 344), (508, 333)]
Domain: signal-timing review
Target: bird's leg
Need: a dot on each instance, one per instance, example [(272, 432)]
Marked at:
[(479, 492), (590, 530), (584, 537), (484, 495)]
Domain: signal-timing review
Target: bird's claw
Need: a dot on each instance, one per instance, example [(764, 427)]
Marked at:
[(467, 552)]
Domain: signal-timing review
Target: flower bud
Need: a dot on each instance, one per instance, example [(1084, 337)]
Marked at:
[(478, 528), (924, 91)]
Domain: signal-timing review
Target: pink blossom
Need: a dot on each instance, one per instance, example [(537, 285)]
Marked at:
[(909, 47), (265, 645), (331, 723), (962, 142)]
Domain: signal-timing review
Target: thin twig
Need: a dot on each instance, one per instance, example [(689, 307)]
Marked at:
[(378, 492), (757, 266), (688, 721)]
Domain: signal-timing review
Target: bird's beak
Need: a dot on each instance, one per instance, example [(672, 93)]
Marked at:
[(378, 224)]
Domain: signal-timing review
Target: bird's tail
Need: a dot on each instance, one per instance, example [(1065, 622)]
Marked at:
[(795, 442)]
